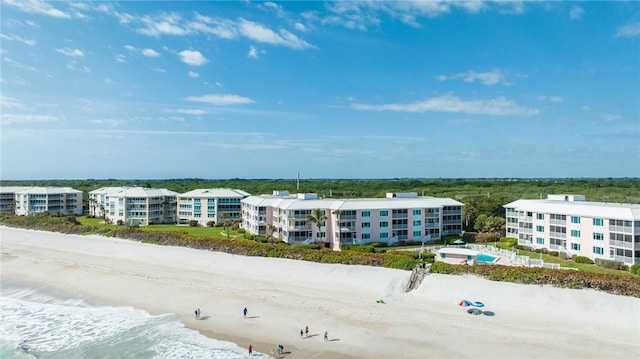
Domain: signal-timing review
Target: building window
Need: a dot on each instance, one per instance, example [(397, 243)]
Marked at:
[(575, 220), (417, 212), (598, 250), (444, 255), (384, 235), (539, 240), (366, 224), (416, 234), (539, 215), (366, 213), (598, 236), (384, 213), (384, 224), (575, 233), (540, 229), (417, 223), (575, 246), (598, 222), (366, 236)]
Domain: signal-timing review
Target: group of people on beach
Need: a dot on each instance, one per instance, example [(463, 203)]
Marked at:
[(304, 333)]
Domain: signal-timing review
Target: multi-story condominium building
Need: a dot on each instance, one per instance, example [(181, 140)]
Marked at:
[(210, 205), (136, 206), (60, 201), (569, 224), (8, 199), (398, 217), (98, 204)]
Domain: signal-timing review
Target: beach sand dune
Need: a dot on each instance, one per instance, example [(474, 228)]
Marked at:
[(283, 296)]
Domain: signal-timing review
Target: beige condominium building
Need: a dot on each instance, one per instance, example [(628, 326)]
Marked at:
[(570, 224), (135, 206), (28, 201), (400, 217), (210, 206)]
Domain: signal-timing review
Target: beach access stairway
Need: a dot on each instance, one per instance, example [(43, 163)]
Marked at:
[(417, 275)]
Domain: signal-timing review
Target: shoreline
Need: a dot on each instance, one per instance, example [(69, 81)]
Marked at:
[(285, 295)]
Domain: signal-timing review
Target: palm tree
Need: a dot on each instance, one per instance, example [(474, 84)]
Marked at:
[(225, 222), (467, 212), (316, 217), (271, 228)]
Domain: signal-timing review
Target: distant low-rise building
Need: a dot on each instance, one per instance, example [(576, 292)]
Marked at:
[(137, 206), (570, 224), (57, 201), (8, 199), (210, 205), (400, 217)]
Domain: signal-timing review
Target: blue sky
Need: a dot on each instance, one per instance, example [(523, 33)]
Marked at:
[(218, 90)]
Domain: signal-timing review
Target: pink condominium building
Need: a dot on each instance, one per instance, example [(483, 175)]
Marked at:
[(568, 223), (400, 217)]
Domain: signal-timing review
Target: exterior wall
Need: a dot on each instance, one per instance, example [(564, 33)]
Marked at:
[(8, 199), (62, 201), (352, 221), (210, 205), (452, 258), (134, 206), (603, 233)]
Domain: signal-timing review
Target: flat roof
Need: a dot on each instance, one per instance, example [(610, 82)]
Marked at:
[(461, 251), (626, 211)]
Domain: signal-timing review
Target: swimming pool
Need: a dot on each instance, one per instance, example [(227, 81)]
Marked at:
[(485, 258)]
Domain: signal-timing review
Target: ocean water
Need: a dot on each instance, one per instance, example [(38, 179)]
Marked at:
[(39, 323)]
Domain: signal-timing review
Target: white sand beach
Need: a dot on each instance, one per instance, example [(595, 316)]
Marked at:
[(283, 296)]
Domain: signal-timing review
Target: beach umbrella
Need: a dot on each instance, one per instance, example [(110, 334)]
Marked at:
[(477, 304), (465, 303), (459, 241)]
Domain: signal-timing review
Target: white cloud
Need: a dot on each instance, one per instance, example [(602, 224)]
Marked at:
[(19, 39), (71, 52), (193, 58), (486, 78), (120, 58), (555, 99), (576, 13), (10, 118), (222, 28), (253, 53), (607, 117), (193, 74), (188, 111), (221, 100), (10, 102), (37, 7), (149, 53), (499, 106), (108, 122), (629, 30), (260, 33), (300, 27), (167, 24)]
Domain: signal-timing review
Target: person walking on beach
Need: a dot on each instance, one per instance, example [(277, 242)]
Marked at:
[(250, 350), (306, 331), (326, 335), (244, 313), (301, 333), (198, 314)]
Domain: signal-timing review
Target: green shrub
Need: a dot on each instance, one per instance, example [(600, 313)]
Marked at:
[(635, 269), (582, 259), (241, 230), (211, 223), (378, 244), (442, 268), (553, 253), (311, 246), (193, 223), (609, 264)]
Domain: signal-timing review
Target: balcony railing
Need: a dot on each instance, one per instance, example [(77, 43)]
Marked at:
[(622, 244), (558, 234), (622, 229)]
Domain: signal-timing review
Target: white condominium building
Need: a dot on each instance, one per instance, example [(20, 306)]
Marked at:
[(398, 217), (98, 204), (8, 198), (136, 206), (568, 223), (61, 201), (210, 205)]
